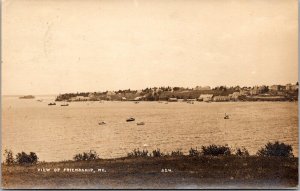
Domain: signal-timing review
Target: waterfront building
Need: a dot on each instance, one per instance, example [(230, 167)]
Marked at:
[(79, 98), (110, 93), (221, 98), (290, 87), (173, 99), (205, 97), (244, 92), (235, 95), (203, 88), (276, 87), (254, 90), (138, 99)]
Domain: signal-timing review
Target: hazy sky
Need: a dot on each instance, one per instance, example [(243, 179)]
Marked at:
[(53, 46)]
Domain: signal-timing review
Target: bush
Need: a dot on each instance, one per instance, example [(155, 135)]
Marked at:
[(176, 153), (194, 152), (242, 152), (92, 155), (216, 150), (157, 153), (23, 158), (138, 153), (276, 149), (9, 158)]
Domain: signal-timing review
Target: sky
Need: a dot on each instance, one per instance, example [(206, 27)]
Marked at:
[(52, 47)]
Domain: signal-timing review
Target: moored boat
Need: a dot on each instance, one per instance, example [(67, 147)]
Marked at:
[(130, 119), (140, 123), (226, 116), (102, 123), (52, 104)]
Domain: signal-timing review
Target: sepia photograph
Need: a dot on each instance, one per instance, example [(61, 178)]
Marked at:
[(149, 94)]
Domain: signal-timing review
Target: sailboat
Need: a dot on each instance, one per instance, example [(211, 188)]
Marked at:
[(226, 116)]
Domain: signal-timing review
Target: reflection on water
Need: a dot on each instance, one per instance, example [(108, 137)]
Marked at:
[(57, 133)]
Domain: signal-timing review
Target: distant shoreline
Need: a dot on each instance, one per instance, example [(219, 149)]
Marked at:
[(184, 101), (288, 92)]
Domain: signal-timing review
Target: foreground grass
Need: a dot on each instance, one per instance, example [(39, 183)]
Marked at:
[(187, 172)]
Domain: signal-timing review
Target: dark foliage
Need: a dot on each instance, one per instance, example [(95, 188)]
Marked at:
[(24, 158), (242, 152), (138, 153), (193, 152), (276, 149), (92, 155), (67, 96), (176, 153), (9, 158), (157, 153), (216, 150)]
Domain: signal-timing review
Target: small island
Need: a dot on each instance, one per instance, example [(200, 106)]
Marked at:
[(27, 97)]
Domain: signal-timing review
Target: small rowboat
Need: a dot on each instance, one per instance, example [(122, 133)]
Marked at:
[(141, 123), (130, 119), (102, 123)]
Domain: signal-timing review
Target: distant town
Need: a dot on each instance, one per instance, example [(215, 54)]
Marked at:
[(288, 92)]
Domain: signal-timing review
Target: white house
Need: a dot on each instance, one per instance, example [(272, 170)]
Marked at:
[(137, 98), (221, 98), (205, 97), (173, 99), (202, 88)]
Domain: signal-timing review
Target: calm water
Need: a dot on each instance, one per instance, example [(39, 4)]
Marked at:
[(57, 133)]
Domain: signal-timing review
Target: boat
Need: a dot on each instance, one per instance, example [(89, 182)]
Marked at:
[(64, 104), (102, 123), (52, 104), (130, 119), (39, 100), (226, 116), (140, 123), (136, 102)]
